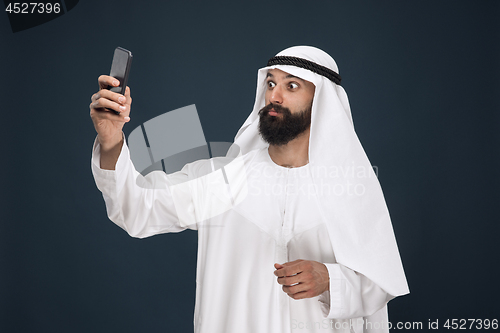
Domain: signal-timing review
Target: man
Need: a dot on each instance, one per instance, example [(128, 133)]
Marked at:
[(301, 202)]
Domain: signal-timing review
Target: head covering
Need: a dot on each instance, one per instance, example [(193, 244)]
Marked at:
[(347, 190)]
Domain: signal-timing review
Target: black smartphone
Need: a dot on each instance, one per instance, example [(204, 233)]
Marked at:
[(120, 69)]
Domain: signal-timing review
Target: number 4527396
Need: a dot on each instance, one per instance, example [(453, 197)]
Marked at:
[(33, 8), (463, 324)]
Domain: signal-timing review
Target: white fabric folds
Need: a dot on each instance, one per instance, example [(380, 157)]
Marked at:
[(347, 191)]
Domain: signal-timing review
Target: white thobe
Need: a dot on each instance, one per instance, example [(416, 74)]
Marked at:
[(277, 222)]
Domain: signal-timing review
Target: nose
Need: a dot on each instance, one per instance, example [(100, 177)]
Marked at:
[(276, 95)]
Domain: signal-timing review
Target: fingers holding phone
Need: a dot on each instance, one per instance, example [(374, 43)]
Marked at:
[(110, 106), (107, 81), (107, 123), (108, 101)]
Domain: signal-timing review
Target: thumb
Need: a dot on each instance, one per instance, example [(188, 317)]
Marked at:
[(278, 266)]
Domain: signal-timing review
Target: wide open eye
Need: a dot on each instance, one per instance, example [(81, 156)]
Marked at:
[(293, 85), (271, 84)]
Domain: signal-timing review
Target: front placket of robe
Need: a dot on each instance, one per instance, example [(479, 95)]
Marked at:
[(284, 236)]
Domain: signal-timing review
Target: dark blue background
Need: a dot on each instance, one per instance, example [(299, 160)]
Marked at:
[(423, 82)]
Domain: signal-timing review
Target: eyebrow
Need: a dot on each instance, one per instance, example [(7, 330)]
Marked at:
[(289, 76)]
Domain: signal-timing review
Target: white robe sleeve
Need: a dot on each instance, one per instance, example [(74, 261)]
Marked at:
[(351, 295), (142, 206)]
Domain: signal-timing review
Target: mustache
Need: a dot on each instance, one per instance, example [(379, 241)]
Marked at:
[(277, 108)]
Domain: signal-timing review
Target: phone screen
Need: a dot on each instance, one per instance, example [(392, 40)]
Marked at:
[(120, 67)]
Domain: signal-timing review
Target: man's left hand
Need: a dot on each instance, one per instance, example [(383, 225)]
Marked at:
[(303, 278)]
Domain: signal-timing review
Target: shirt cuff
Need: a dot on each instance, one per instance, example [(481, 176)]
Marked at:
[(106, 179), (331, 302)]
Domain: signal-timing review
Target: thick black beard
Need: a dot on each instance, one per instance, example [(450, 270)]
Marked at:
[(279, 130)]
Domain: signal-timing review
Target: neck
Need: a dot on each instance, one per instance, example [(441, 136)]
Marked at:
[(294, 154)]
